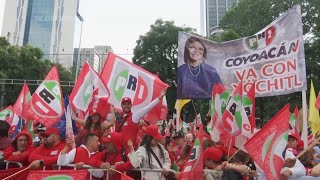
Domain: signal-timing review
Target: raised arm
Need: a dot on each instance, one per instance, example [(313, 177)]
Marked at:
[(80, 121), (105, 125), (138, 115)]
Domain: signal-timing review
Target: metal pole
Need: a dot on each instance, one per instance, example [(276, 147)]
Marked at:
[(2, 96), (78, 59)]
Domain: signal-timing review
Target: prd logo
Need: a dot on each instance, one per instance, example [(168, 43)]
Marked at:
[(47, 100), (262, 40), (129, 83)]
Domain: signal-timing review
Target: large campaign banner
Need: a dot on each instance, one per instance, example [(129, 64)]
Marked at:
[(273, 58)]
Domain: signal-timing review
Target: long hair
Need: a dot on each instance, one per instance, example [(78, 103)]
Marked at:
[(186, 50), (89, 122), (146, 142)]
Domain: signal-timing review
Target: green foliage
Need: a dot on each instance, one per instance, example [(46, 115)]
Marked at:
[(156, 51), (25, 63)]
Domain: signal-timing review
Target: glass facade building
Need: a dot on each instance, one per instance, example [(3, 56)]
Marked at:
[(214, 10)]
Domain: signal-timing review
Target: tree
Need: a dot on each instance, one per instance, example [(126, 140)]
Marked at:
[(156, 51), (26, 63), (250, 16)]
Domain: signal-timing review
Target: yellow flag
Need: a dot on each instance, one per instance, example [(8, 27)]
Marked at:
[(314, 118), (178, 106)]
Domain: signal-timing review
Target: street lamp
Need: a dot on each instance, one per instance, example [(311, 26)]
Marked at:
[(78, 59)]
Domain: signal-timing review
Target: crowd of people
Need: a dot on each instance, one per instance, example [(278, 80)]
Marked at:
[(97, 146)]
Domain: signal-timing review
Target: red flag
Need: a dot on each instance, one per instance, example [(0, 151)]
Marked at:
[(125, 177), (267, 146), (46, 104), (250, 106), (231, 121), (125, 79), (21, 104), (318, 102), (88, 89), (59, 174), (6, 114), (22, 175), (194, 167), (164, 109)]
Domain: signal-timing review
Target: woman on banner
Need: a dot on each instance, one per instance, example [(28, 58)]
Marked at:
[(195, 77)]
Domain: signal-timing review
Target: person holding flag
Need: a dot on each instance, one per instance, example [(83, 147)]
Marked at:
[(129, 124)]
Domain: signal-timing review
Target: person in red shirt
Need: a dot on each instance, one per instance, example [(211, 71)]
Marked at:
[(114, 156), (80, 155), (94, 124), (47, 154), (20, 148), (129, 124)]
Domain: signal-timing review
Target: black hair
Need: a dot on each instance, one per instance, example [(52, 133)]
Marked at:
[(4, 128), (146, 142), (89, 122), (89, 137)]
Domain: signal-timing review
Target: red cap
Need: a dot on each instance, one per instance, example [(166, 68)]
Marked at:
[(213, 153), (126, 99), (115, 138), (50, 131), (93, 111), (153, 131), (296, 136)]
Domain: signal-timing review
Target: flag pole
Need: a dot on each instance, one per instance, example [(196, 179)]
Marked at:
[(12, 175), (304, 134), (309, 147)]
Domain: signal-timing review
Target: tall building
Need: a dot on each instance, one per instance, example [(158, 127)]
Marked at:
[(212, 12), (96, 57), (46, 24)]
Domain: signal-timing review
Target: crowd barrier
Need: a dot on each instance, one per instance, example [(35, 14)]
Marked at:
[(142, 171), (263, 177)]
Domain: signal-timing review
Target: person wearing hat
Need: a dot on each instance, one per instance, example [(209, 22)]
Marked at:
[(20, 148), (94, 124), (47, 154), (179, 142), (129, 124), (151, 154), (292, 166), (114, 156)]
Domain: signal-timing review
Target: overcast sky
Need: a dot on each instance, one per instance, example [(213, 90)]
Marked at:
[(118, 23)]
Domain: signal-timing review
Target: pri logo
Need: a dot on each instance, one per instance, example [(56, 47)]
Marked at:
[(47, 100), (126, 84), (5, 114), (261, 40)]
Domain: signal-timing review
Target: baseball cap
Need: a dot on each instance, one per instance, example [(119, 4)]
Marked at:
[(153, 131), (126, 99), (50, 131), (213, 153), (115, 138), (93, 111), (294, 135)]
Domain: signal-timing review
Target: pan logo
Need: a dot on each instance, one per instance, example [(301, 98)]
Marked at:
[(126, 84)]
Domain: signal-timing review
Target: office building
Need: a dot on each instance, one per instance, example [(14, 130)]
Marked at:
[(212, 12), (95, 56), (46, 24)]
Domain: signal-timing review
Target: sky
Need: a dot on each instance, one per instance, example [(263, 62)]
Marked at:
[(119, 23)]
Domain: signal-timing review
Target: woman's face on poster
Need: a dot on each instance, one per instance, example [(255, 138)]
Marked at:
[(196, 51)]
